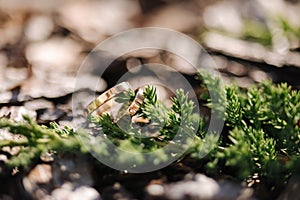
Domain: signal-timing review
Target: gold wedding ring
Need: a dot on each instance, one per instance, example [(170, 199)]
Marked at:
[(137, 102), (133, 107), (106, 96)]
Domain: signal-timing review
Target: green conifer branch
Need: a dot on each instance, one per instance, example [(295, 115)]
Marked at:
[(261, 138)]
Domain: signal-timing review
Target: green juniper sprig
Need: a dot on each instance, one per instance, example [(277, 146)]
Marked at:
[(37, 140), (165, 122), (261, 136)]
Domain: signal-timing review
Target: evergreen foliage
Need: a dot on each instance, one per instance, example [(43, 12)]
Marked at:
[(261, 136)]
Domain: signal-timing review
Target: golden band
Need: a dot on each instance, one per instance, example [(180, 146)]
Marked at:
[(137, 102), (104, 108), (132, 109), (106, 96)]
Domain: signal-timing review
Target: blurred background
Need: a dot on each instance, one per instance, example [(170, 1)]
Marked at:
[(43, 43)]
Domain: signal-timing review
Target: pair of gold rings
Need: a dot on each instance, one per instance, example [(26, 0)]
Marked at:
[(100, 103)]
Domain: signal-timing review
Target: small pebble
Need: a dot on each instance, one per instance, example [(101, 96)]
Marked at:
[(155, 190)]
